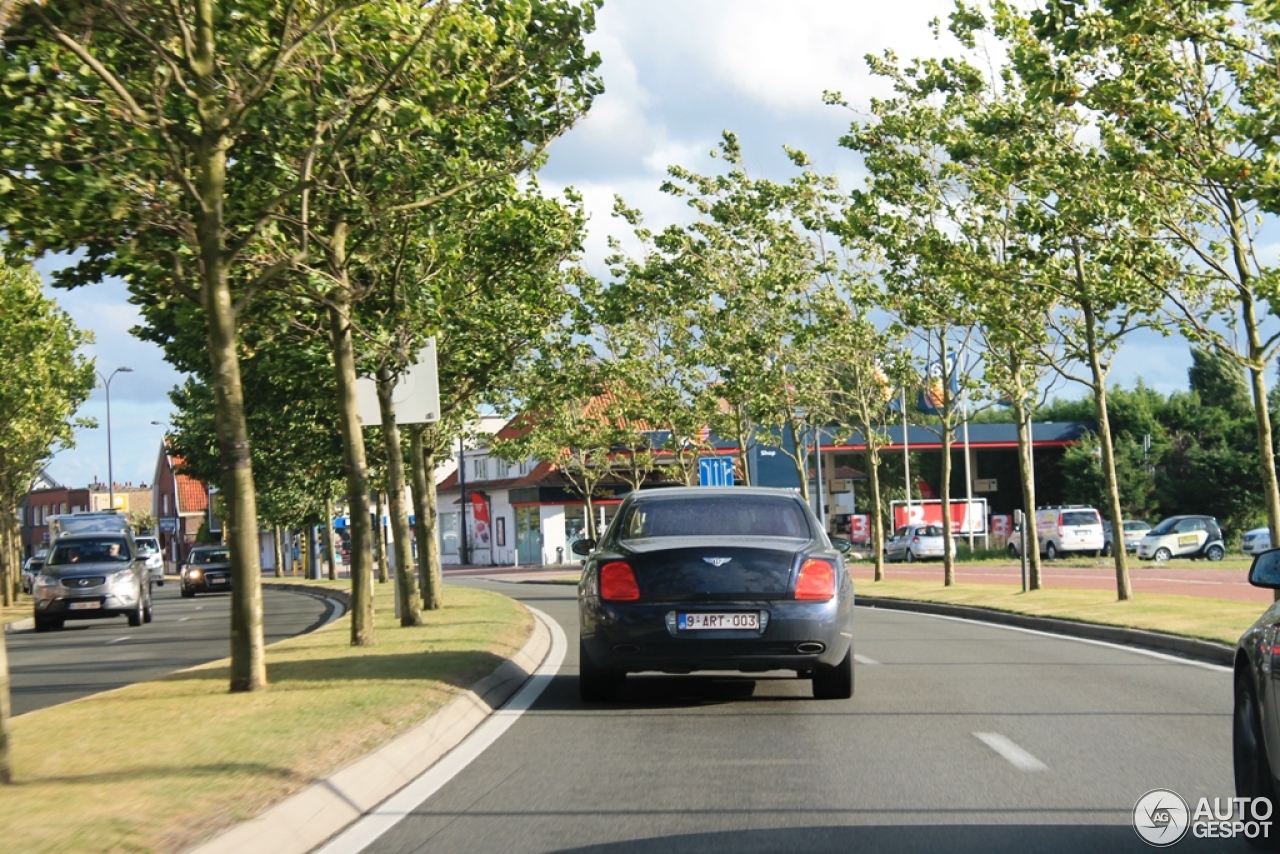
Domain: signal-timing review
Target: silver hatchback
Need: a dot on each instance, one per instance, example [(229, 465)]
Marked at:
[(92, 576), (917, 542)]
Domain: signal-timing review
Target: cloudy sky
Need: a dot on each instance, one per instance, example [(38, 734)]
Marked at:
[(677, 73)]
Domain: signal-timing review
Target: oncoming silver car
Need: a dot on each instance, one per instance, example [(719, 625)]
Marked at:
[(92, 576)]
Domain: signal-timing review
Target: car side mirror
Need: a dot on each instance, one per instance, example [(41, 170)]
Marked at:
[(583, 547), (842, 544), (1265, 570)]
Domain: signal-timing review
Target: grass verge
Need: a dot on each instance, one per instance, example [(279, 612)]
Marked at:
[(159, 766), (1209, 619), (19, 610)]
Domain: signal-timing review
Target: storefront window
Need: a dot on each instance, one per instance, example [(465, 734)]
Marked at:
[(449, 533)]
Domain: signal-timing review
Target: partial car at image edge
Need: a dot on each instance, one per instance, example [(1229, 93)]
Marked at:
[(1255, 730)]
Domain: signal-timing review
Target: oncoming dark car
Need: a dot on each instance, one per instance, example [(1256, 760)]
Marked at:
[(207, 570), (703, 578)]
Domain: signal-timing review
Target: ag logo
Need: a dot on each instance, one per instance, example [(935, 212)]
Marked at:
[(717, 561), (1161, 817)]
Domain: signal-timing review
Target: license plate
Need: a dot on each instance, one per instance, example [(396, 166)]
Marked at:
[(83, 606), (747, 620), (217, 581)]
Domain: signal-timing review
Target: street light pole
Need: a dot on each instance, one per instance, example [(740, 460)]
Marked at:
[(111, 478)]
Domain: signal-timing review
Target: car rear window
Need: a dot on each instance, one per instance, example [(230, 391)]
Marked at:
[(718, 516), (1080, 517), (930, 531)]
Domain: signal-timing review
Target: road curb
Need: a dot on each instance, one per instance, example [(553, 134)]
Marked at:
[(20, 625), (341, 597), (307, 819), (1192, 648)]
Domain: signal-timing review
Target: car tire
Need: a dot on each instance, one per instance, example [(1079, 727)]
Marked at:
[(188, 594), (147, 611), (1013, 550), (1106, 550), (1214, 553), (48, 624), (596, 684), (136, 615), (1253, 775), (910, 556), (1162, 554), (1051, 552), (834, 683)]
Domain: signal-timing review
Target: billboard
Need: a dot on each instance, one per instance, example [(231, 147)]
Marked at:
[(966, 518)]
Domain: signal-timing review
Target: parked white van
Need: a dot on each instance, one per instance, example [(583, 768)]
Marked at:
[(1069, 528)]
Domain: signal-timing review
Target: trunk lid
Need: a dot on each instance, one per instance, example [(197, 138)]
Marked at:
[(695, 569)]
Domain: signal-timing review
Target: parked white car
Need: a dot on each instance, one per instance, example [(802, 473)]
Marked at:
[(1255, 541), (1071, 528)]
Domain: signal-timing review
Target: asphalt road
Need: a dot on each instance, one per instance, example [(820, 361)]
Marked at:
[(960, 737), (91, 656)]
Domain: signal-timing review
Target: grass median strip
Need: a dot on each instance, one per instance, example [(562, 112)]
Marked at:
[(1209, 619), (159, 766)]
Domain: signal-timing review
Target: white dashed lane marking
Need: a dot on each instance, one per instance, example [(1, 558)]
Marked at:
[(117, 640), (1017, 757), (862, 659)]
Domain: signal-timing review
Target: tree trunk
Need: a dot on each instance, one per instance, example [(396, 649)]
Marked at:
[(330, 553), (1026, 467), (6, 769), (1124, 591), (10, 557), (877, 523), (277, 551), (800, 458), (744, 440), (380, 538), (410, 609), (353, 454), (948, 562), (426, 518), (248, 650)]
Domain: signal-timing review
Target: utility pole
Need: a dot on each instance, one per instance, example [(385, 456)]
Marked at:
[(462, 515)]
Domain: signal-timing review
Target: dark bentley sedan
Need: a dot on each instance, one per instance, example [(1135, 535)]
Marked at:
[(207, 570), (707, 578), (1256, 723)]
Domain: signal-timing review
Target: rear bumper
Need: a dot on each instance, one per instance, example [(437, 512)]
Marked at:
[(635, 637)]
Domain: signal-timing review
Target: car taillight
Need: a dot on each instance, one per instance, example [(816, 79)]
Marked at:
[(817, 580), (618, 582)]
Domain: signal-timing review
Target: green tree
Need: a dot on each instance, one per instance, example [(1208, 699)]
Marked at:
[(122, 122), (1191, 90), (48, 382)]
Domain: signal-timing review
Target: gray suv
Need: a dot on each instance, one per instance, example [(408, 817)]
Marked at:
[(90, 576)]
